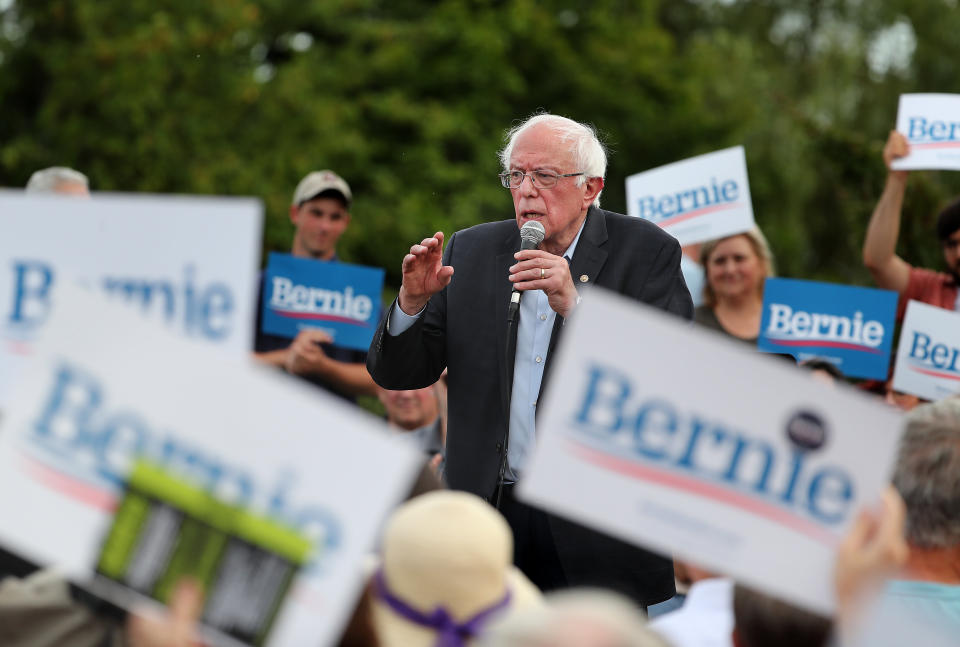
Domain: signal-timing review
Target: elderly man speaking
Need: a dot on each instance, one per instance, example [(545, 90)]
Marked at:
[(452, 311)]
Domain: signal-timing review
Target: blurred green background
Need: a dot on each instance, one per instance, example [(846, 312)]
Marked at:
[(409, 101)]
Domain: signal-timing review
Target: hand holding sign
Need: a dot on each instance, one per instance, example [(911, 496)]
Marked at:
[(872, 550), (176, 628), (424, 274), (895, 148), (305, 356)]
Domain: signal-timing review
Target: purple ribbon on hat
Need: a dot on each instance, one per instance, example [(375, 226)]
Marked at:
[(449, 633)]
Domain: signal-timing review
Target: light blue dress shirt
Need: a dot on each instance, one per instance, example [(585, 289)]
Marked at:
[(533, 340)]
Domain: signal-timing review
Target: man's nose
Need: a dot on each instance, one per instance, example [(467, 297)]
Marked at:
[(526, 185)]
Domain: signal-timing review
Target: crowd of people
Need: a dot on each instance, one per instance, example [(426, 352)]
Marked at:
[(465, 561)]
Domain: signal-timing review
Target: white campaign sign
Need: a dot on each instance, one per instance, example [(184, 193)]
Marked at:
[(108, 385), (696, 199), (927, 358), (189, 261), (680, 440), (931, 124)]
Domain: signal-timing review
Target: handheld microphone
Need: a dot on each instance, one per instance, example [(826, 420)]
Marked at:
[(531, 235)]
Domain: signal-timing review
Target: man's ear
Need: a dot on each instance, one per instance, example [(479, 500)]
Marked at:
[(294, 212), (594, 187)]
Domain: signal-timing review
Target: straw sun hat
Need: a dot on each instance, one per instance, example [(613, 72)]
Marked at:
[(446, 572)]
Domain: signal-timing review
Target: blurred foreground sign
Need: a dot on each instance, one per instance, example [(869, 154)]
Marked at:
[(680, 441), (190, 262), (928, 358), (931, 124), (341, 299), (130, 457), (696, 199), (850, 327)]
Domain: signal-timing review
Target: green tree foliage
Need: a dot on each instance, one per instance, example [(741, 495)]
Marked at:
[(409, 100)]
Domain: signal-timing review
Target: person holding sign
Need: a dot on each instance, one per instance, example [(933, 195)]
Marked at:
[(320, 214), (736, 268), (554, 168), (879, 248)]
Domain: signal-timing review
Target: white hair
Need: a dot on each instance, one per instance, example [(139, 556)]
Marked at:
[(47, 180), (574, 618), (588, 152), (927, 474)]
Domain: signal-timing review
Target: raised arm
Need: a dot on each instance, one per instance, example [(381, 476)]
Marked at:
[(879, 248)]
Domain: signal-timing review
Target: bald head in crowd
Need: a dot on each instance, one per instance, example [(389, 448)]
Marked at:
[(60, 180)]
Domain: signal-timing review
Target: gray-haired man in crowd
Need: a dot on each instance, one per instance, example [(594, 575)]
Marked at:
[(928, 478), (59, 179)]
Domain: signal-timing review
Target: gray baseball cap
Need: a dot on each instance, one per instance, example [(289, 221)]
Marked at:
[(317, 182)]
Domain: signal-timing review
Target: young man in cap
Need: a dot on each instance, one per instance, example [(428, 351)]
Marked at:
[(879, 248), (320, 214)]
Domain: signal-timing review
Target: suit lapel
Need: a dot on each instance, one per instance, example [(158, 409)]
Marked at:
[(502, 295), (588, 259)]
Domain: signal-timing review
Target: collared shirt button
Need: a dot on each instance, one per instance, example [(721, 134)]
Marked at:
[(543, 317), (539, 359)]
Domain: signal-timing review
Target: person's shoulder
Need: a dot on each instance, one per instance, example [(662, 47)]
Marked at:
[(488, 233), (924, 275), (704, 314), (504, 227), (619, 225)]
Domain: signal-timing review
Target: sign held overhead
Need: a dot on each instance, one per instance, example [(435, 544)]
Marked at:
[(696, 199)]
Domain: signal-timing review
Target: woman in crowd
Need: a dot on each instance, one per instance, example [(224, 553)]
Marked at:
[(736, 268)]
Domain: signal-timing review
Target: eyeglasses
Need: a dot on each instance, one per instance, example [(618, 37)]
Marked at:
[(541, 179)]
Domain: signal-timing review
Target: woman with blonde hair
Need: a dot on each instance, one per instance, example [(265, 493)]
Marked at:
[(735, 268)]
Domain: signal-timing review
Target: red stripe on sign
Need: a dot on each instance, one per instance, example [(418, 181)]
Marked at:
[(680, 217), (699, 488), (936, 145), (292, 314), (927, 371), (20, 348), (824, 344), (72, 487)]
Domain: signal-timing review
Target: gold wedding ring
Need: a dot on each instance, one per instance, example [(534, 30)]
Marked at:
[(543, 274)]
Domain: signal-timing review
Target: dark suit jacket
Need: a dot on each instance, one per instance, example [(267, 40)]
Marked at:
[(464, 328)]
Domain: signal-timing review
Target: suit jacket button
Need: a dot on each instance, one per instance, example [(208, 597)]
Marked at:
[(499, 447)]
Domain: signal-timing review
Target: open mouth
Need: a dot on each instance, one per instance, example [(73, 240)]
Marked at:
[(531, 215)]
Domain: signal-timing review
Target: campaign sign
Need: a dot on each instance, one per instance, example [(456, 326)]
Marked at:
[(931, 124), (850, 327), (130, 457), (342, 300), (190, 262), (697, 199), (674, 438), (927, 357)]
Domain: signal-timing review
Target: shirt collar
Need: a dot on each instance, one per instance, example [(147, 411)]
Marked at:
[(573, 246)]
